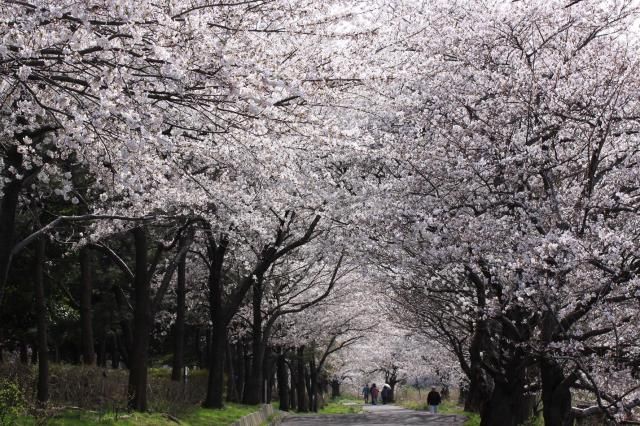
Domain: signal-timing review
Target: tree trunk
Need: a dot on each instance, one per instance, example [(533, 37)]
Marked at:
[(556, 395), (508, 406), (8, 206), (102, 350), (197, 347), (41, 315), (215, 382), (313, 385), (177, 373), (141, 326), (293, 400), (335, 388), (242, 369), (253, 395), (300, 385), (24, 352), (232, 390), (115, 353), (86, 323), (283, 381), (480, 384), (269, 374)]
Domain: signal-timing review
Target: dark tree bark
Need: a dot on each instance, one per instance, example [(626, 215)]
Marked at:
[(177, 373), (137, 395), (115, 353), (86, 323), (232, 389), (24, 353), (9, 203), (313, 385), (197, 347), (269, 375), (508, 406), (8, 207), (254, 384), (300, 381), (556, 392), (241, 369), (556, 395), (293, 399), (246, 360), (41, 314), (283, 380), (215, 383), (102, 350), (480, 384), (335, 388)]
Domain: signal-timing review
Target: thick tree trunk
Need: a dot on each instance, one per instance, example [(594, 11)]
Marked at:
[(86, 323), (115, 352), (102, 350), (313, 385), (8, 206), (24, 352), (232, 390), (283, 381), (247, 370), (141, 326), (215, 382), (177, 373), (254, 384), (480, 384), (300, 384), (197, 347), (240, 368), (41, 315), (293, 399), (556, 395), (335, 388), (508, 406)]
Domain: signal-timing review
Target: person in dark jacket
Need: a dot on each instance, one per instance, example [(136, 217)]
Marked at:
[(433, 400), (374, 393), (365, 393), (384, 394)]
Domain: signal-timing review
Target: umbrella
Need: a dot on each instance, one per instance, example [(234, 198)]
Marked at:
[(386, 386)]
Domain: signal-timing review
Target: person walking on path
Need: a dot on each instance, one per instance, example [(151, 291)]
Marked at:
[(365, 393), (374, 394), (433, 400), (385, 394)]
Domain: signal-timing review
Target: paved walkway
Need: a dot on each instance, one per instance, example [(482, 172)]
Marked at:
[(381, 415)]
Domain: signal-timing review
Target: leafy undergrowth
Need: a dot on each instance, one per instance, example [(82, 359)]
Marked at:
[(447, 407), (195, 417)]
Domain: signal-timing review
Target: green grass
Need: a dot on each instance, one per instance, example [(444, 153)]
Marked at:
[(339, 407), (207, 417), (195, 417)]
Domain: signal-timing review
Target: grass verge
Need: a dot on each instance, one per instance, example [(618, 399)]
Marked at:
[(194, 417)]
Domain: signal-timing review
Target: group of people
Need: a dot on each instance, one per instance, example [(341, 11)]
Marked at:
[(373, 392), (433, 398)]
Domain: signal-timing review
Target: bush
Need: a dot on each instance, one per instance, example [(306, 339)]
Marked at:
[(12, 402)]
